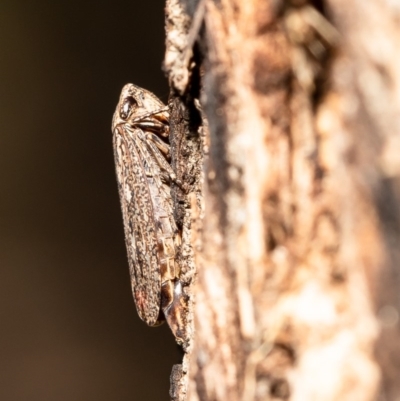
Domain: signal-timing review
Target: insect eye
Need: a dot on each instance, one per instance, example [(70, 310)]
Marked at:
[(127, 106)]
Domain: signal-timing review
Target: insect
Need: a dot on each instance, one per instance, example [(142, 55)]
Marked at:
[(140, 137)]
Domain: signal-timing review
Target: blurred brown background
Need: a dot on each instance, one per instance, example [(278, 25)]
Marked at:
[(69, 327)]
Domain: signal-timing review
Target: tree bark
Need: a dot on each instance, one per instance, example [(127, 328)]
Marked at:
[(286, 138)]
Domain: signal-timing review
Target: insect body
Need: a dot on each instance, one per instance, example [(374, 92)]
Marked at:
[(141, 150)]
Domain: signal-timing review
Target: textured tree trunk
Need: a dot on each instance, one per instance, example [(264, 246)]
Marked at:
[(286, 137)]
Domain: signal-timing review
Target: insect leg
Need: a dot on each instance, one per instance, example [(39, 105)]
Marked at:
[(162, 146), (158, 127), (164, 165), (160, 159)]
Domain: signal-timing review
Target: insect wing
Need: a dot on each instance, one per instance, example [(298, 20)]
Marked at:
[(168, 238), (139, 224)]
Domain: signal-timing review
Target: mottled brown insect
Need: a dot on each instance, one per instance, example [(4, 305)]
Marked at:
[(141, 150)]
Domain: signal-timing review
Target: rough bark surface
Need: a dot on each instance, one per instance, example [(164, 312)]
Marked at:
[(287, 142)]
